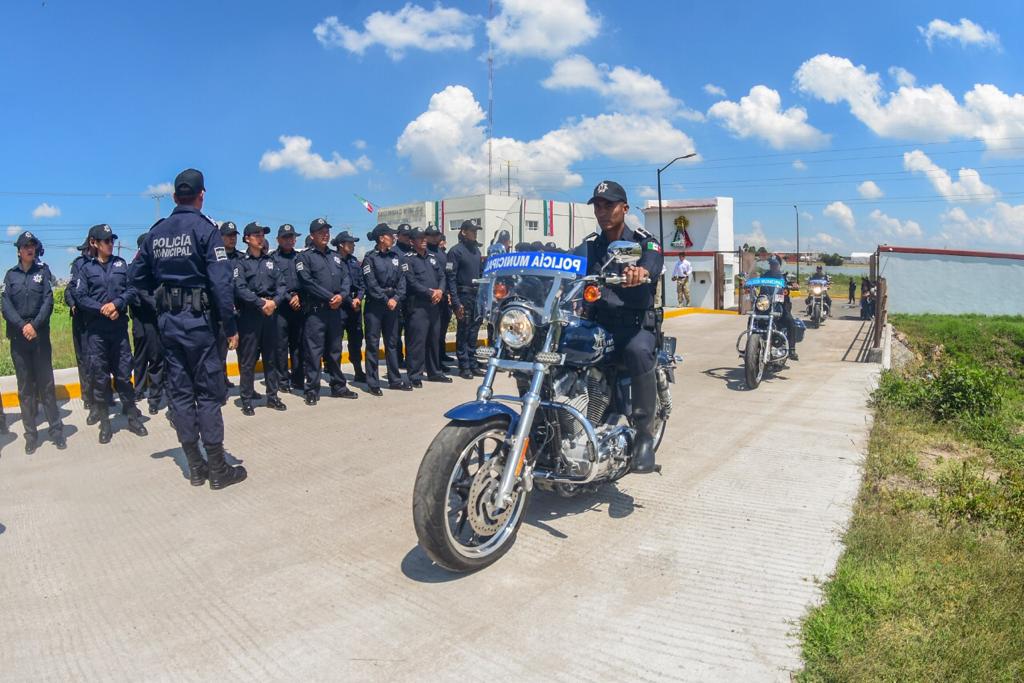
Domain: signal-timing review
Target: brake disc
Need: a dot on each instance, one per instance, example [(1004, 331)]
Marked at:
[(482, 516)]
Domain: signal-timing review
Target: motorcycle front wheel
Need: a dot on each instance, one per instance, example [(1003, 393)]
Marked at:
[(753, 368), (455, 522)]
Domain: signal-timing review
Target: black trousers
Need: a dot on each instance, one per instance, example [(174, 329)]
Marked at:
[(148, 359), (257, 336), (354, 331), (467, 331), (289, 345), (421, 323), (403, 341), (195, 384), (380, 321), (110, 356), (445, 310), (33, 366), (81, 357), (322, 341)]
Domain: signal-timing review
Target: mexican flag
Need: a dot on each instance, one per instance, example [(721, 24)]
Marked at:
[(365, 202)]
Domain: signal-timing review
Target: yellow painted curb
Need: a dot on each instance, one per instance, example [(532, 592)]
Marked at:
[(675, 313)]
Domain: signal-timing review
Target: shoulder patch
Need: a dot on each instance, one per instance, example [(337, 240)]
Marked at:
[(394, 261), (337, 260), (270, 264), (643, 233), (449, 267), (119, 263), (654, 246), (405, 267), (298, 265), (220, 252), (366, 269), (208, 219)]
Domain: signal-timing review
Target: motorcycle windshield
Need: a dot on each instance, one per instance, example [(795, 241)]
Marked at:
[(534, 279)]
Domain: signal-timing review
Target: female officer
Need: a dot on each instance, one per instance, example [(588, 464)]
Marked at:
[(385, 291), (27, 305)]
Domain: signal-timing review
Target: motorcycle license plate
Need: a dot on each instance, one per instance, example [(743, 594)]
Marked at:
[(779, 298)]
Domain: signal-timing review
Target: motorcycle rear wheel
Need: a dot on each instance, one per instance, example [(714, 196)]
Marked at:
[(753, 368), (454, 522)]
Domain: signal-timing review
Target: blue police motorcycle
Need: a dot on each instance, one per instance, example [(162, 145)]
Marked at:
[(764, 345), (567, 428)]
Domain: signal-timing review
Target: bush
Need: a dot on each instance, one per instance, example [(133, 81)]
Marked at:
[(901, 391), (961, 390)]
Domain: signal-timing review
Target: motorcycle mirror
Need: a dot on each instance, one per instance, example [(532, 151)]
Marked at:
[(625, 252)]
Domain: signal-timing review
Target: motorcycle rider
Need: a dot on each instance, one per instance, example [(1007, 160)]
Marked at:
[(786, 319), (627, 310), (821, 276)]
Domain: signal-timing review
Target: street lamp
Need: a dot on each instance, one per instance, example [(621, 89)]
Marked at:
[(797, 244), (661, 223)]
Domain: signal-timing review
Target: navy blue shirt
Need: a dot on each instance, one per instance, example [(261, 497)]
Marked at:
[(466, 265), (384, 277), (286, 265), (101, 283), (423, 274), (144, 307), (322, 274), (357, 285), (69, 291), (448, 268), (640, 297), (186, 250), (27, 298), (257, 278)]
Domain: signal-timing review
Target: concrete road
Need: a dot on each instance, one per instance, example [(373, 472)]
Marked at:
[(113, 567)]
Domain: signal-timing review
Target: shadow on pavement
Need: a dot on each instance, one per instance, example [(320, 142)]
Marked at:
[(734, 378), (548, 507), (2, 528), (418, 567), (177, 455)]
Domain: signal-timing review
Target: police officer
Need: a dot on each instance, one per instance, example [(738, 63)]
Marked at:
[(148, 362), (425, 286), (501, 244), (466, 266), (786, 319), (259, 291), (385, 292), (403, 246), (289, 316), (184, 260), (78, 326), (346, 246), (435, 243), (627, 311), (27, 304), (229, 236), (324, 283)]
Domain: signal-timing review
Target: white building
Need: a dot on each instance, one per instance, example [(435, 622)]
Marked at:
[(526, 220), (708, 222)]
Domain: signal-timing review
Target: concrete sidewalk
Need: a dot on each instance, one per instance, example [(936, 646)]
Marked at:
[(113, 567)]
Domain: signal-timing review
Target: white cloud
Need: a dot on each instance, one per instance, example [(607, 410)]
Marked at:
[(541, 28), (824, 240), (902, 77), (841, 214), (968, 188), (799, 165), (633, 221), (967, 32), (295, 153), (807, 216), (447, 143), (44, 210), (887, 227), (363, 163), (412, 27), (755, 237), (159, 189), (714, 90), (1002, 226), (647, 192), (13, 230), (359, 144), (870, 190), (930, 113), (760, 115)]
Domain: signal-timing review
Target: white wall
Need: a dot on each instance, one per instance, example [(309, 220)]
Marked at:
[(949, 283)]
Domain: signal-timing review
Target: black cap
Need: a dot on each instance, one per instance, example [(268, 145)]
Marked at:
[(255, 228), (610, 190), (469, 225), (381, 229), (550, 246), (189, 183), (416, 233), (101, 232), (228, 228), (26, 238), (504, 236), (431, 231), (403, 228), (522, 246), (319, 224), (141, 238), (343, 236), (287, 230)]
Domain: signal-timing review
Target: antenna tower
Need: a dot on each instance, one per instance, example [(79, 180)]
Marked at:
[(490, 99)]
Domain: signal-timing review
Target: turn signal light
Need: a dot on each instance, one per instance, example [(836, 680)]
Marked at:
[(591, 293), (500, 291)]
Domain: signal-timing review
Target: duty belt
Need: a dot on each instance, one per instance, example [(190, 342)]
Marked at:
[(472, 289), (177, 299), (628, 316)]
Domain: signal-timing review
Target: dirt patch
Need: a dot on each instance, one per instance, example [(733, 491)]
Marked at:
[(932, 458)]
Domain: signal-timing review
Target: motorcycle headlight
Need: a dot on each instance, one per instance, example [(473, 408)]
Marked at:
[(516, 328), (763, 303), (816, 290)]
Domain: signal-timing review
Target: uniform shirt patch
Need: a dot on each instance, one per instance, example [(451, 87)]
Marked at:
[(119, 264), (221, 253), (366, 269), (236, 272), (449, 267), (654, 246), (394, 261), (433, 262), (337, 260), (270, 265), (298, 265), (405, 267), (38, 277)]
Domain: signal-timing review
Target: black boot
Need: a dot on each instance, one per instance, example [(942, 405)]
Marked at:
[(105, 430), (94, 414), (197, 469), (793, 354), (222, 474), (645, 400), (3, 425)]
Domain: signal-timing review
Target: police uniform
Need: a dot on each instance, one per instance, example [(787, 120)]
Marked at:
[(354, 314), (424, 273), (385, 281), (403, 249), (78, 324), (628, 314), (183, 259), (466, 265), (445, 307), (323, 275), (148, 362), (227, 228), (28, 299), (257, 280), (289, 320), (110, 355)]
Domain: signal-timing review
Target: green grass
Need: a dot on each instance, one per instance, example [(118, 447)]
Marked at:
[(60, 338), (931, 583)]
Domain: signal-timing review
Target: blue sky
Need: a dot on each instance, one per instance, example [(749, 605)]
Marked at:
[(289, 111)]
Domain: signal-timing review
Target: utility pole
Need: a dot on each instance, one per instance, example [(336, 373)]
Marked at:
[(490, 99), (797, 243), (661, 223), (508, 176)]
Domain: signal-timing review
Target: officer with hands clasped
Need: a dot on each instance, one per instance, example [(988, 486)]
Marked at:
[(466, 265), (259, 291), (324, 281), (346, 246), (385, 292), (103, 291), (229, 235), (184, 260), (27, 304), (627, 310), (425, 286), (435, 243), (148, 361), (78, 324), (289, 316)]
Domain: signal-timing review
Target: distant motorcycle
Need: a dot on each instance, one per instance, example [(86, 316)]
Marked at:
[(818, 308), (764, 345)]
